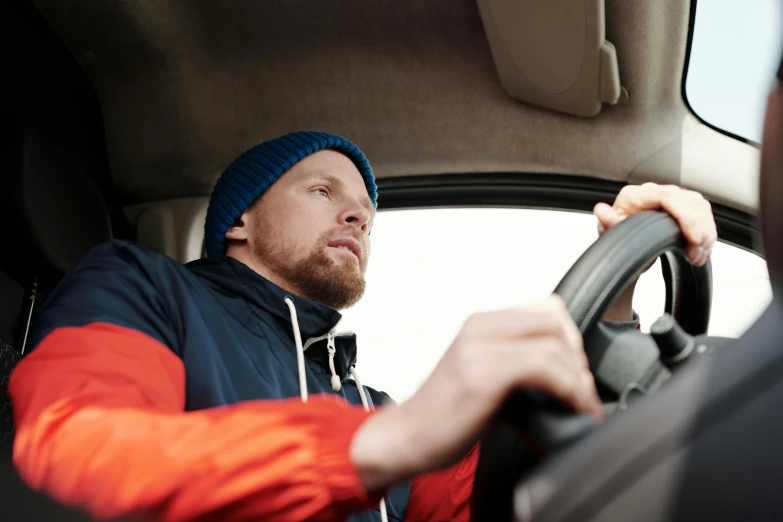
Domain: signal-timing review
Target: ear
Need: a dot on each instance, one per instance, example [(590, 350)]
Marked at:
[(239, 230)]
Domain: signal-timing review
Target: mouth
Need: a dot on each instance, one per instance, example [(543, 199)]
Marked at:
[(348, 244)]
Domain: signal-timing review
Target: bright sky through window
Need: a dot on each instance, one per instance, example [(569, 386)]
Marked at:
[(734, 55)]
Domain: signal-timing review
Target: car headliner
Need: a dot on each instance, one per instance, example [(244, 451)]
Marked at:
[(187, 86)]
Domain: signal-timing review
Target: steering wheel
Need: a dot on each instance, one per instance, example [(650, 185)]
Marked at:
[(625, 363)]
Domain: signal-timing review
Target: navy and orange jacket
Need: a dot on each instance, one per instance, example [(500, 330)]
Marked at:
[(172, 391)]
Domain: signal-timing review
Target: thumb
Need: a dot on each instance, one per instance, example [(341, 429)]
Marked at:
[(607, 217)]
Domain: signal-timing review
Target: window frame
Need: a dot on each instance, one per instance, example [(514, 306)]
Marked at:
[(537, 191)]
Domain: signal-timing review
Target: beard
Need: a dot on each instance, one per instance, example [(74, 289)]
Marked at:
[(317, 276)]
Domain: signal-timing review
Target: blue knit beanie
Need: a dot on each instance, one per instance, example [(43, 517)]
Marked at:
[(255, 170)]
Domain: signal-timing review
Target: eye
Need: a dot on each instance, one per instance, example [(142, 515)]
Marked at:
[(322, 191)]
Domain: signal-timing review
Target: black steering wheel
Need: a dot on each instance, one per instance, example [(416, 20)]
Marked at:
[(625, 363)]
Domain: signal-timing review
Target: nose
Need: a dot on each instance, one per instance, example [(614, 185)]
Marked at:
[(356, 215)]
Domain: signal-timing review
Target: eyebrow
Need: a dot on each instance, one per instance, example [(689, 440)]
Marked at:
[(334, 180)]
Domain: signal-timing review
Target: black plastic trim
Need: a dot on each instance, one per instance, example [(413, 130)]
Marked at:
[(548, 191), (689, 45)]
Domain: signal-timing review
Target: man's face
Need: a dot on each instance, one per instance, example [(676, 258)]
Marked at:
[(310, 229)]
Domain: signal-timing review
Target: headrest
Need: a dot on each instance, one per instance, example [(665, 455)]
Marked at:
[(52, 214), (771, 185)]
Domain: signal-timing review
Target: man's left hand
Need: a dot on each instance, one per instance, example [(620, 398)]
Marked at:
[(691, 210)]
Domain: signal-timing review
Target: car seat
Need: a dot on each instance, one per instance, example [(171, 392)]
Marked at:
[(53, 215)]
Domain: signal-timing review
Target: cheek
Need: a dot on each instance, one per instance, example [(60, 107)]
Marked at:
[(307, 228), (298, 223)]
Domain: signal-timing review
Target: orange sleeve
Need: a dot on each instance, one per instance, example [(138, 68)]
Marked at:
[(444, 495), (101, 425)]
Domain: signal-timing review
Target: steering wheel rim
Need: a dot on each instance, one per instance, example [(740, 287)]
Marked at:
[(590, 286), (604, 270)]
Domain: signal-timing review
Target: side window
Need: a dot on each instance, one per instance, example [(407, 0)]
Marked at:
[(430, 269)]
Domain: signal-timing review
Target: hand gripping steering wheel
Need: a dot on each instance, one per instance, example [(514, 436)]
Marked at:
[(624, 363)]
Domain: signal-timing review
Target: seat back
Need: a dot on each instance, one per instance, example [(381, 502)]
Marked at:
[(8, 359), (57, 215)]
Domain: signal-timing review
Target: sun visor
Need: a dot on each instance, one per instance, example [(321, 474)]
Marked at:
[(554, 53)]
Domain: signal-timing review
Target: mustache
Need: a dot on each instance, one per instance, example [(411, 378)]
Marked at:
[(345, 232)]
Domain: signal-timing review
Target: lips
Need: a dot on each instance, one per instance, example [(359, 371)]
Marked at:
[(348, 243)]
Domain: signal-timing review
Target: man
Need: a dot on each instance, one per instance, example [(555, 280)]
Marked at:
[(219, 390)]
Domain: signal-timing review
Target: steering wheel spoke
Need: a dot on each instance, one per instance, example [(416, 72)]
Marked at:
[(620, 359)]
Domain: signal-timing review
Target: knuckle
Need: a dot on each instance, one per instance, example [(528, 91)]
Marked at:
[(469, 369), (547, 351), (551, 321), (670, 197), (693, 222), (540, 362), (629, 192), (473, 321), (471, 380), (556, 352), (557, 304), (536, 361), (563, 331), (571, 390)]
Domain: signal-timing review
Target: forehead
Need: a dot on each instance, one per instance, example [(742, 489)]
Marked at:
[(326, 162)]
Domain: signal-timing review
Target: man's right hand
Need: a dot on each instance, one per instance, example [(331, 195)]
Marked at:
[(535, 347)]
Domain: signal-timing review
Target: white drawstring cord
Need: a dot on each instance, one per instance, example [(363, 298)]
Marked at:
[(336, 385), (299, 350), (367, 407), (355, 376)]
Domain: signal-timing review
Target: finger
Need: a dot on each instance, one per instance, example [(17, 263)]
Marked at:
[(565, 329), (553, 350), (552, 373), (637, 198), (688, 208), (650, 196), (547, 319), (692, 212), (551, 317), (702, 232), (607, 217), (598, 411), (572, 335), (696, 254), (535, 319), (712, 236)]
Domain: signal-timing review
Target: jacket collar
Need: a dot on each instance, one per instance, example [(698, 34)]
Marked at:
[(316, 320)]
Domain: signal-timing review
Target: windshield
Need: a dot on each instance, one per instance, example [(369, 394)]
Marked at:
[(734, 53), (431, 268)]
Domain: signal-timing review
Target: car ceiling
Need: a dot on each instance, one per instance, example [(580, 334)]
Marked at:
[(185, 87)]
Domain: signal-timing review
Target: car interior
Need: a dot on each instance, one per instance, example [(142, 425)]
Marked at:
[(118, 117)]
